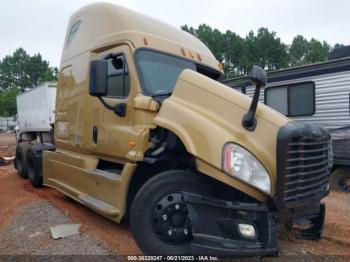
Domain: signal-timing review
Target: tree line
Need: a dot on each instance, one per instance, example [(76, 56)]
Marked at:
[(18, 72), (237, 54), (263, 48)]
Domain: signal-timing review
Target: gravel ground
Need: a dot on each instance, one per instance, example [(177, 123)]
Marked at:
[(27, 213), (29, 234)]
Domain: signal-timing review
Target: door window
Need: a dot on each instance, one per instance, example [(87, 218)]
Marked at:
[(118, 78)]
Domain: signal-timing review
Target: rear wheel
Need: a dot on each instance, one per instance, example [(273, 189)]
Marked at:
[(159, 218), (33, 164), (20, 164)]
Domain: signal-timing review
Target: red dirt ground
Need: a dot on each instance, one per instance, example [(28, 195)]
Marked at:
[(16, 192)]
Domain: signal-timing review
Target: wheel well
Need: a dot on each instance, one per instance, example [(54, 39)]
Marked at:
[(184, 161), (173, 148)]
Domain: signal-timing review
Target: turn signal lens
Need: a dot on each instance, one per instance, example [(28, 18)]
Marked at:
[(183, 52), (145, 41)]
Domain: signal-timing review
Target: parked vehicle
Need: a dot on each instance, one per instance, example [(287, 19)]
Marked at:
[(316, 93), (144, 131), (7, 124), (34, 129), (35, 113)]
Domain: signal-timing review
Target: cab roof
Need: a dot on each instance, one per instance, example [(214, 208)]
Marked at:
[(105, 24)]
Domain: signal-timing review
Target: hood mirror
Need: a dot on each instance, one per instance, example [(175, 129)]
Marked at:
[(258, 77)]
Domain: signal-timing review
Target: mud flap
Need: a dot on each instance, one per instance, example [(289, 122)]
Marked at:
[(316, 225)]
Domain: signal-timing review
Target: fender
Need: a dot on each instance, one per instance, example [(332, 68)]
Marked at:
[(206, 115)]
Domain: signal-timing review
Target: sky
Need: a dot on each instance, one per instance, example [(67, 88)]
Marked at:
[(40, 25)]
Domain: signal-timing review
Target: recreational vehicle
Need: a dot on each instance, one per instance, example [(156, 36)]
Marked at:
[(316, 93)]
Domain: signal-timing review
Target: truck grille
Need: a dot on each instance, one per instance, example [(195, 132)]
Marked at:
[(302, 165)]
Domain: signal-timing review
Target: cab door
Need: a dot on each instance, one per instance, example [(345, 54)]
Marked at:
[(111, 130)]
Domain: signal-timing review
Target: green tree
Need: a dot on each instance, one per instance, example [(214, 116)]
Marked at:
[(212, 38), (263, 48), (337, 45), (235, 55), (24, 71), (298, 50), (8, 101), (266, 50), (317, 51), (303, 51)]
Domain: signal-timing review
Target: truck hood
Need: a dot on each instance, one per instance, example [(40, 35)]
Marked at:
[(206, 114)]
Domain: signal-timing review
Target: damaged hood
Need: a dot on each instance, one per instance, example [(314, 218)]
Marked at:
[(206, 114)]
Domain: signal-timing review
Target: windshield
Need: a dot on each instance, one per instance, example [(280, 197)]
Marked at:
[(159, 72)]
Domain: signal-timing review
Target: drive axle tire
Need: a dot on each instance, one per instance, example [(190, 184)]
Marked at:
[(34, 168), (20, 165), (159, 218)]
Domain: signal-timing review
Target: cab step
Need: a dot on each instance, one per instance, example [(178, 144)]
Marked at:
[(109, 174), (99, 205)]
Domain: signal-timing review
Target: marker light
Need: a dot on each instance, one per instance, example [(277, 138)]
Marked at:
[(145, 41), (183, 52)]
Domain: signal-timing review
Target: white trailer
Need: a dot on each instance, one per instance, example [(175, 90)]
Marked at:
[(35, 109)]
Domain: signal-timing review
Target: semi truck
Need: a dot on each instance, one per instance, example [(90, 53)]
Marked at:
[(144, 132), (316, 93), (35, 122)]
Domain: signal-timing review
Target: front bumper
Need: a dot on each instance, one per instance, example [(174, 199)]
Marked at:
[(215, 227)]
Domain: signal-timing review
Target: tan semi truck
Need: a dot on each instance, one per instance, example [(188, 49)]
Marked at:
[(145, 132)]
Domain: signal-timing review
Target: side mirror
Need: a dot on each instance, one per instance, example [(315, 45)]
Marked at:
[(98, 85), (259, 79), (258, 76)]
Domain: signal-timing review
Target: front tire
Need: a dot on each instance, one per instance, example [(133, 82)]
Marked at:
[(159, 218)]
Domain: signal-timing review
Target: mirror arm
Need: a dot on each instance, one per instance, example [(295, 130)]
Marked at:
[(259, 79), (249, 121), (119, 109), (109, 107)]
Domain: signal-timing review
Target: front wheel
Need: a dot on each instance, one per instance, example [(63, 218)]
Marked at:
[(159, 218)]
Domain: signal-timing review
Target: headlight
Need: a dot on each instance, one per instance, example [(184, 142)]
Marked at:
[(241, 164)]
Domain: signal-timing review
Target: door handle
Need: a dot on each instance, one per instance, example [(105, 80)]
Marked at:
[(94, 134)]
